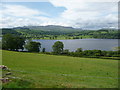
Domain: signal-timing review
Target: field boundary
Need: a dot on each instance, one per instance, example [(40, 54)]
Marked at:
[(63, 74)]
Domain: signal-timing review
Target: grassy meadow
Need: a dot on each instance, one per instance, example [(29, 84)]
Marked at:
[(51, 71)]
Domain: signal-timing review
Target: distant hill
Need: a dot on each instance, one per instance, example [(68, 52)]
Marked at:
[(54, 28), (39, 30), (52, 31)]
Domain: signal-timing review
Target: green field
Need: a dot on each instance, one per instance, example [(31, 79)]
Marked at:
[(50, 71)]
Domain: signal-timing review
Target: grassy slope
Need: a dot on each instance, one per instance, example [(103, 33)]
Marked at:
[(62, 71)]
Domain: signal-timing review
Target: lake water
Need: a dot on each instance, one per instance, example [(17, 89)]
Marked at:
[(85, 44)]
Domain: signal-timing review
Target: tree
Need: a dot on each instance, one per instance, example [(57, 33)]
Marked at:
[(79, 50), (0, 44), (43, 50), (32, 46), (19, 42), (88, 53), (10, 42), (66, 51), (58, 47), (97, 52)]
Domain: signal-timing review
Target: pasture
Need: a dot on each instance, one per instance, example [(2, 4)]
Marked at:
[(51, 71)]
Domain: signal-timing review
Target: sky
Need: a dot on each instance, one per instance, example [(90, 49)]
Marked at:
[(83, 14)]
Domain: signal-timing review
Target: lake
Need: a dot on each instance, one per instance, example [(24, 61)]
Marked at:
[(85, 44)]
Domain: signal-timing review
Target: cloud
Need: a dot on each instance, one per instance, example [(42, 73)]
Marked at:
[(18, 15), (66, 0), (78, 13), (87, 14), (20, 11)]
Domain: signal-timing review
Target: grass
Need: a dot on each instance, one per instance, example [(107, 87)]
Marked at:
[(50, 71)]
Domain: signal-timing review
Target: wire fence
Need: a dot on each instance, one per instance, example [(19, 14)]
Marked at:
[(64, 74)]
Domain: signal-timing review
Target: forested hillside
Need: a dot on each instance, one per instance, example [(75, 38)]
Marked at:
[(60, 32)]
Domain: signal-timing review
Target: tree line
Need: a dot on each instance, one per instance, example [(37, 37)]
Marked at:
[(16, 43)]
